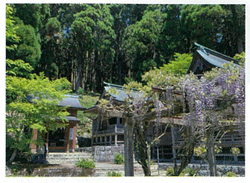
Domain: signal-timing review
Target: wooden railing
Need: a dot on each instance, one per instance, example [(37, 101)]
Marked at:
[(110, 129)]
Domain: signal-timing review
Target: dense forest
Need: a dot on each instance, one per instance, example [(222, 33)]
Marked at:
[(117, 43)]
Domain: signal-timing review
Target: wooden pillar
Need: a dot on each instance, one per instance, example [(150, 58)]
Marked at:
[(66, 137), (115, 135), (116, 139), (128, 148), (105, 139), (74, 138), (110, 139)]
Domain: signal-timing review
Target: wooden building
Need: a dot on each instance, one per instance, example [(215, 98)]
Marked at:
[(109, 130), (63, 139)]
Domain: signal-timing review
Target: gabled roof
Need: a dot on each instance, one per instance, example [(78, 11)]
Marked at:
[(119, 96), (208, 58), (70, 101), (121, 93)]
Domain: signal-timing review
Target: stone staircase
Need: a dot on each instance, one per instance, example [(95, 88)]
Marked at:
[(68, 158)]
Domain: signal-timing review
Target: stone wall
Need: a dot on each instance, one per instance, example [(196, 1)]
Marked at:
[(107, 153), (68, 158), (204, 171)]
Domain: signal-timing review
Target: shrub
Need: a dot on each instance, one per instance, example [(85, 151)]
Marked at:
[(231, 174), (183, 173), (119, 159), (190, 171), (170, 171), (80, 91), (85, 163), (114, 174)]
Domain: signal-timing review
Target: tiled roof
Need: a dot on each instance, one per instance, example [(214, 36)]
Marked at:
[(121, 93), (211, 58), (71, 101)]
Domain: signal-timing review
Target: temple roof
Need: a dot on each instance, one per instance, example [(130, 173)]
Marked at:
[(205, 59), (71, 101), (121, 93), (118, 92)]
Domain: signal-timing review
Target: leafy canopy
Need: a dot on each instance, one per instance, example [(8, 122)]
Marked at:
[(40, 114)]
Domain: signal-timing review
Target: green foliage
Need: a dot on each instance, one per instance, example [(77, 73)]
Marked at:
[(240, 57), (29, 48), (32, 14), (190, 171), (53, 26), (18, 68), (140, 43), (179, 65), (170, 171), (80, 91), (39, 114), (198, 23), (183, 173), (87, 100), (11, 36), (200, 151), (114, 174), (119, 158), (93, 33), (231, 174), (85, 163), (111, 42), (235, 151)]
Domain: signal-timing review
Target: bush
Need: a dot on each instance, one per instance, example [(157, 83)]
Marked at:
[(231, 174), (80, 91), (190, 171), (114, 174), (170, 171), (86, 163), (183, 173), (119, 159)]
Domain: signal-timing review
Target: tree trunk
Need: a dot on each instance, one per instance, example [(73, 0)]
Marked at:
[(173, 142), (95, 59), (149, 161), (211, 153), (12, 156), (186, 152), (128, 148), (142, 147), (85, 79), (79, 75)]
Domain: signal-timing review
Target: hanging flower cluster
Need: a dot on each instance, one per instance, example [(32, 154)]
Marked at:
[(218, 95)]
